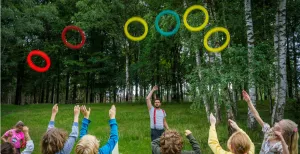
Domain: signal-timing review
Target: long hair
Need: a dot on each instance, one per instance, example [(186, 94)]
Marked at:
[(53, 141), (290, 135)]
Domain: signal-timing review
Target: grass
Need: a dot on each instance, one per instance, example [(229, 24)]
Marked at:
[(133, 122)]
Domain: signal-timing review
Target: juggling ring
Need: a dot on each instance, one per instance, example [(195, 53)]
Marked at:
[(210, 32), (69, 45), (43, 55), (189, 10), (177, 22), (138, 19)]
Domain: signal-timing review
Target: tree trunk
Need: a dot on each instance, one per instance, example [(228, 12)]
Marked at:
[(67, 87), (43, 94), (92, 88), (282, 62), (87, 88), (250, 40), (57, 84), (127, 78), (74, 93), (276, 48), (204, 97), (47, 92), (295, 65), (52, 91), (20, 76)]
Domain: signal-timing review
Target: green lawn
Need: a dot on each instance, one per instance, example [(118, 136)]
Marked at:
[(133, 122)]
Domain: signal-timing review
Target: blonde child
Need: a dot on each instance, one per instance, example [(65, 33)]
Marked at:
[(88, 144), (281, 138), (56, 141), (238, 143)]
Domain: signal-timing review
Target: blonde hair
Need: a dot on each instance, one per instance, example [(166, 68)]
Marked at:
[(239, 143), (290, 135), (53, 141), (88, 144), (171, 142)]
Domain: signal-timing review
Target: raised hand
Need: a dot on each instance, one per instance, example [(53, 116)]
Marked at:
[(212, 119), (55, 109), (187, 132), (233, 124), (85, 112), (76, 110), (155, 88), (246, 96), (112, 112)]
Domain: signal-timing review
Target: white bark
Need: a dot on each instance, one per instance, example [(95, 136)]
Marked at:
[(204, 98), (282, 85), (250, 40), (276, 46)]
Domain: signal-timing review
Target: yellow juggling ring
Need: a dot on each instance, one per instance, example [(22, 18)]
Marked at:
[(216, 29), (189, 10), (138, 19)]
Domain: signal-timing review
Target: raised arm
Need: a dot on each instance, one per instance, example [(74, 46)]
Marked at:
[(74, 134), (193, 142), (213, 141), (53, 115), (252, 108), (85, 121), (114, 137), (29, 144), (148, 99)]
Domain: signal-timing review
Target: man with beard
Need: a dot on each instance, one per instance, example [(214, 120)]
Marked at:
[(157, 116)]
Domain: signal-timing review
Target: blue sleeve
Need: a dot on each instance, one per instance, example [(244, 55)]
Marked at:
[(71, 140), (84, 127), (113, 139), (50, 125)]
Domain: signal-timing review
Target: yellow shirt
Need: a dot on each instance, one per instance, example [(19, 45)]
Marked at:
[(215, 146)]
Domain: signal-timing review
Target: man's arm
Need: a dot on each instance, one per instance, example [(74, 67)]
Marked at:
[(148, 99), (166, 124)]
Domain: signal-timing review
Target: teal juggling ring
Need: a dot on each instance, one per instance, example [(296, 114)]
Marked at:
[(177, 22)]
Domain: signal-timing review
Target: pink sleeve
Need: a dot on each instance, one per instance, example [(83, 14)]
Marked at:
[(7, 132)]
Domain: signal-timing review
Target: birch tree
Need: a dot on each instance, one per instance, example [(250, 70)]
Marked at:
[(250, 42)]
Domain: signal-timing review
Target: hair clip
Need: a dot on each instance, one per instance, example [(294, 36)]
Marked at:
[(296, 129)]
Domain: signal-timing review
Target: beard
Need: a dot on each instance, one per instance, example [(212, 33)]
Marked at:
[(157, 106)]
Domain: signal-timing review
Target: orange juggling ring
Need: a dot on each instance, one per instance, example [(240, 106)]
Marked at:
[(63, 37), (43, 55)]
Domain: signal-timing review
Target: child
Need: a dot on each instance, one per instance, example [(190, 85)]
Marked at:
[(17, 136), (56, 141), (282, 138), (88, 144), (238, 143), (8, 148), (170, 142)]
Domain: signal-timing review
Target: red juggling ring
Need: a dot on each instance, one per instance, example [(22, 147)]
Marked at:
[(69, 45), (43, 55)]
